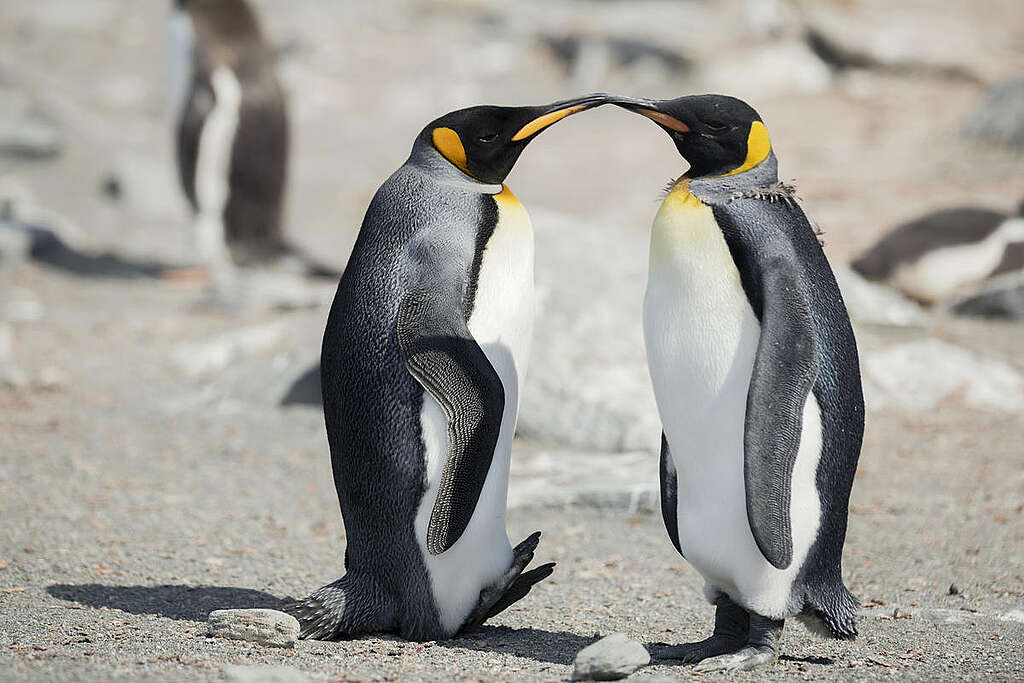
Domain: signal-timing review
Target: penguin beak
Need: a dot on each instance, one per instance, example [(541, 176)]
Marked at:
[(652, 109), (552, 113)]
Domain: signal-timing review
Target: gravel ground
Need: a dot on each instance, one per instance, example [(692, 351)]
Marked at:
[(135, 501), (148, 475)]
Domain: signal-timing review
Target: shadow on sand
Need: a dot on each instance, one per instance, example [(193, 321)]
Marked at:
[(185, 603)]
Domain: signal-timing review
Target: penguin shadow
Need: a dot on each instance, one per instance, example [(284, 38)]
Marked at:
[(554, 647), (305, 390), (656, 647), (181, 603), (47, 248)]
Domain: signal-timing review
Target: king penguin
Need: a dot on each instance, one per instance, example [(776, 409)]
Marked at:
[(422, 361), (231, 129), (755, 369), (946, 253)]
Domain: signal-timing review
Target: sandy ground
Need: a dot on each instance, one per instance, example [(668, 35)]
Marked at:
[(146, 479)]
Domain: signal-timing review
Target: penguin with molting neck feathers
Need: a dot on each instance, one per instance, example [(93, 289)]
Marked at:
[(756, 375), (423, 357), (231, 130)]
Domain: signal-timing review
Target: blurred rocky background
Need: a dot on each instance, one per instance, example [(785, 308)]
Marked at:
[(882, 111)]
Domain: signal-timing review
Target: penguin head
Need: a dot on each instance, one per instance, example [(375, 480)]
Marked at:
[(717, 134), (485, 142)]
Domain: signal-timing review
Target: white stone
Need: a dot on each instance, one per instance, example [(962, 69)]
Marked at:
[(611, 658), (263, 626), (920, 374), (208, 357), (263, 673)]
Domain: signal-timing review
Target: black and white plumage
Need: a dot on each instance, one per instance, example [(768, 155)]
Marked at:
[(947, 254), (423, 357), (231, 130), (756, 373)]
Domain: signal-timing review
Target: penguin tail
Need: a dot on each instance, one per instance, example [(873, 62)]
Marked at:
[(346, 608), (831, 612)]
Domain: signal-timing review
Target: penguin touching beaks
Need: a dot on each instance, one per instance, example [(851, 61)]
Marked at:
[(946, 253), (422, 361), (756, 374), (231, 130)]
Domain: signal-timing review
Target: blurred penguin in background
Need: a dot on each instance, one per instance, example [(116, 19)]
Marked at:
[(947, 254), (232, 137)]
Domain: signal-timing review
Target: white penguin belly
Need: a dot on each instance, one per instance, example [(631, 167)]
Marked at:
[(502, 324), (701, 336), (944, 272)]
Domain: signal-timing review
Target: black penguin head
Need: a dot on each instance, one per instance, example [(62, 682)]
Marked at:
[(717, 134), (486, 141)]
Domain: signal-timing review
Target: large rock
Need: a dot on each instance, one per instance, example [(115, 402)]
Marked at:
[(621, 481), (1000, 297), (999, 118), (263, 626), (209, 357), (587, 385), (26, 131), (611, 658), (919, 375), (870, 303)]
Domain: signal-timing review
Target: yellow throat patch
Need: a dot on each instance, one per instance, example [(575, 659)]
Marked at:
[(759, 146)]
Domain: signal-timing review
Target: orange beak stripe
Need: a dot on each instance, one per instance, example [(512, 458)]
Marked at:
[(665, 120)]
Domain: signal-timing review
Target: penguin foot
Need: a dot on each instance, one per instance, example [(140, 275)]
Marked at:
[(513, 585), (691, 653), (761, 648), (746, 658), (730, 635)]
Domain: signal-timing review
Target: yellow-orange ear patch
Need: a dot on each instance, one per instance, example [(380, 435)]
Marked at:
[(449, 144), (542, 122), (759, 146)]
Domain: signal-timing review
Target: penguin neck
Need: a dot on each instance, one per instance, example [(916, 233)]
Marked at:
[(429, 161), (764, 174)]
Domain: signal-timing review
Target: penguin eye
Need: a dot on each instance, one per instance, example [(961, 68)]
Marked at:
[(715, 126), (489, 137)]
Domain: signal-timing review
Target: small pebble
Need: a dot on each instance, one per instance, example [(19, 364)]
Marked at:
[(611, 658), (263, 626)]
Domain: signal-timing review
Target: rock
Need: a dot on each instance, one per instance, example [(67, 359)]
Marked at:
[(587, 385), (263, 673), (1000, 297), (25, 130), (620, 481), (609, 659), (263, 626), (918, 375), (870, 303), (999, 118), (885, 37), (941, 616), (1016, 615), (208, 357), (780, 67)]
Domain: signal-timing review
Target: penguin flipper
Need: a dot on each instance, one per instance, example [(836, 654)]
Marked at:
[(785, 369), (669, 494), (442, 355)]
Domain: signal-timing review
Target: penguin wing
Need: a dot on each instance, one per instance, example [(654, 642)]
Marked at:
[(760, 235), (442, 355), (669, 494)]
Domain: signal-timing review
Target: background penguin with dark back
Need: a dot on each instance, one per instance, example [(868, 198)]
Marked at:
[(423, 356), (232, 137), (756, 375), (948, 253)]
